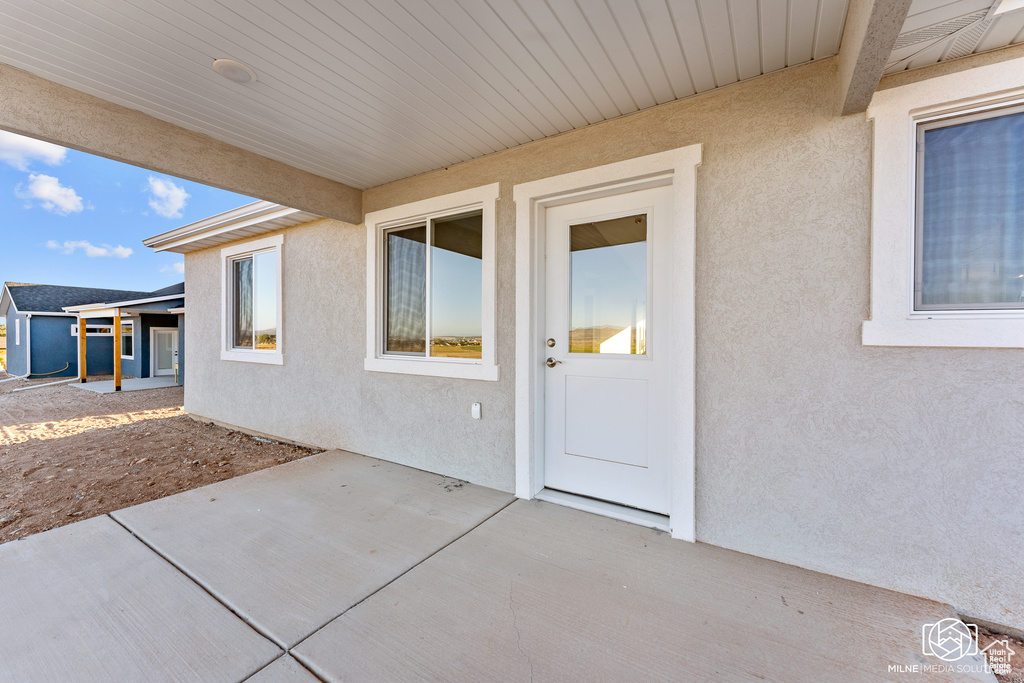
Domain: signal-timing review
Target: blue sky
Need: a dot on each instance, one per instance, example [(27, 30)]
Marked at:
[(70, 218)]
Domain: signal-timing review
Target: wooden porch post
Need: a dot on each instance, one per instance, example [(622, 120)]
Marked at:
[(81, 349), (117, 350)]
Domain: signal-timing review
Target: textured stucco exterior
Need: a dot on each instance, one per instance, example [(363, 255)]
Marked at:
[(898, 467)]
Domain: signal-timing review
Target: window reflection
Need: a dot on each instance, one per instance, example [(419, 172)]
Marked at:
[(608, 286)]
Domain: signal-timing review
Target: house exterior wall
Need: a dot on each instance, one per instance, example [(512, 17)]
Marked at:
[(16, 357), (53, 348), (898, 467)]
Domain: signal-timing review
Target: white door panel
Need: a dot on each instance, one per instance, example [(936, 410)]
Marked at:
[(607, 281)]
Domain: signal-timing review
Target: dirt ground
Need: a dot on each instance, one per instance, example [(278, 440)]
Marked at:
[(67, 454)]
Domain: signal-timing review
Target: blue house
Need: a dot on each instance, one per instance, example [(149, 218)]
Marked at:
[(43, 326)]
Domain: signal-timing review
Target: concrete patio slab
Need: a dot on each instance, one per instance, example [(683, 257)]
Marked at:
[(133, 384), (284, 670), (291, 547), (87, 602), (541, 592)]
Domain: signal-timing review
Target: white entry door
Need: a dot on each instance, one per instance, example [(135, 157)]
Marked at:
[(165, 351), (607, 384)]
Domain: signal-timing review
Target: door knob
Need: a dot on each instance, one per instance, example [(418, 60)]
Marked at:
[(551, 362)]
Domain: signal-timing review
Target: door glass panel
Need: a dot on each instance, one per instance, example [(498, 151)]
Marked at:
[(163, 350), (608, 286)]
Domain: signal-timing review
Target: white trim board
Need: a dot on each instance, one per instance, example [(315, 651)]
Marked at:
[(896, 113), (676, 168)]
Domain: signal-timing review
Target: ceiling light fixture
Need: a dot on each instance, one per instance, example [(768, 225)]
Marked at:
[(233, 70)]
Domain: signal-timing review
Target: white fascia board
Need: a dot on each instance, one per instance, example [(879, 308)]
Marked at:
[(6, 296), (89, 308), (242, 217)]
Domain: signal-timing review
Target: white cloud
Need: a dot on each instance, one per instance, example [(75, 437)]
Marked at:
[(91, 250), (178, 268), (51, 194), (18, 151), (168, 199)]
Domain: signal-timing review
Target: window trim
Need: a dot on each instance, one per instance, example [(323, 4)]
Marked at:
[(131, 323), (377, 223), (17, 331), (227, 256), (896, 114)]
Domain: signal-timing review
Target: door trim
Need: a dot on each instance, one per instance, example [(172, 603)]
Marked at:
[(676, 168), (152, 347)]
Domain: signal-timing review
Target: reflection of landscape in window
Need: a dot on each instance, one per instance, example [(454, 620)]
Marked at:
[(254, 323), (455, 289), (265, 300), (608, 286)]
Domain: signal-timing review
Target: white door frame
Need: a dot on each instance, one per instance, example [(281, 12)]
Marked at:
[(676, 168), (152, 346)]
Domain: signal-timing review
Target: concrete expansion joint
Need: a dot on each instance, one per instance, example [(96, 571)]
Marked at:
[(287, 651), (284, 648)]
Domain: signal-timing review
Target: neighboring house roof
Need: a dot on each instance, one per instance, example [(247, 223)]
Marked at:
[(55, 298), (245, 221), (173, 289)]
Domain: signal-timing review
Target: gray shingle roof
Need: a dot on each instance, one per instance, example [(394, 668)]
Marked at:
[(53, 298), (173, 289)]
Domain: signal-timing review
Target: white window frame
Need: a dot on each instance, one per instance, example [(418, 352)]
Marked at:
[(91, 330), (130, 323), (896, 113), (17, 331), (232, 253), (486, 368)]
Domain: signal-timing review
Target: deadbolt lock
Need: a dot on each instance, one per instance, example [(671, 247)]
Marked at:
[(551, 342)]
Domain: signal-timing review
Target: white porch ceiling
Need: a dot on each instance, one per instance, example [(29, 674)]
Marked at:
[(365, 92), (941, 30)]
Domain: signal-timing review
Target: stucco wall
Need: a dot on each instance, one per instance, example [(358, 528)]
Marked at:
[(895, 467)]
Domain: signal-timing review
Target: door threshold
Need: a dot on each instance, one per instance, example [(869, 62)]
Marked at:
[(623, 513)]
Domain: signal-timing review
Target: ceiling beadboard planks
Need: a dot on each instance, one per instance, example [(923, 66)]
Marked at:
[(941, 30), (366, 92)]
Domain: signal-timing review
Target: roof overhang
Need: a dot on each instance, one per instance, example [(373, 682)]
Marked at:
[(246, 221), (6, 301)]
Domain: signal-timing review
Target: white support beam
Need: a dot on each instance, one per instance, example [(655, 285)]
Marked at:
[(872, 27)]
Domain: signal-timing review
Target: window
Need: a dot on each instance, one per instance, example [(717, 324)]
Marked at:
[(94, 331), (127, 339), (947, 259), (969, 240), (430, 290), (17, 332), (251, 301)]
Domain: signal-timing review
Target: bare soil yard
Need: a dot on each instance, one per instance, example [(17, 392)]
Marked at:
[(67, 454)]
